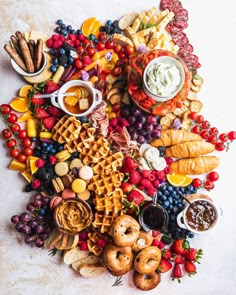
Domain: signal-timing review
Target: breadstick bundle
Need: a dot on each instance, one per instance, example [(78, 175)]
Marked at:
[(27, 55)]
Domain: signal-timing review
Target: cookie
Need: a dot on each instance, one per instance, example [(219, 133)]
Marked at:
[(61, 168), (78, 185), (68, 193), (55, 201), (67, 180), (57, 185), (86, 172), (85, 195), (76, 163), (62, 155)]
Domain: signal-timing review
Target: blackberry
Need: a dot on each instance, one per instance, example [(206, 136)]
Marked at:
[(67, 47), (28, 188), (63, 60), (166, 240)]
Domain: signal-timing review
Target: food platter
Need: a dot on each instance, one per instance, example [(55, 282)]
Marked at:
[(27, 196)]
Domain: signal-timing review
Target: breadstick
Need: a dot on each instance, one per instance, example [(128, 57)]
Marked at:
[(15, 56), (38, 54), (31, 45), (19, 35), (27, 57), (15, 44)]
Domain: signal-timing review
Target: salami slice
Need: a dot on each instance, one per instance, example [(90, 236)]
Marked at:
[(185, 50), (181, 24), (174, 29), (166, 4), (177, 7), (182, 14)]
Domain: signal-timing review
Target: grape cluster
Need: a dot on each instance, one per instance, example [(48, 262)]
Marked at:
[(142, 127), (36, 223), (111, 27), (170, 199)]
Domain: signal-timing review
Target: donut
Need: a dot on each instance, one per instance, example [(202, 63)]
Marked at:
[(118, 260), (147, 261), (125, 231), (146, 282), (144, 240)]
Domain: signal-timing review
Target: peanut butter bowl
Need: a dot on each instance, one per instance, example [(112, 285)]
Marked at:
[(71, 216)]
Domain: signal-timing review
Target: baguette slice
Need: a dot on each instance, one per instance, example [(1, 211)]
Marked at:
[(127, 20), (72, 255), (92, 270), (91, 259)]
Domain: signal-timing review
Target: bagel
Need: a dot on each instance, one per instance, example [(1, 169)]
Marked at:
[(118, 260), (144, 240), (147, 261), (146, 282), (125, 231)]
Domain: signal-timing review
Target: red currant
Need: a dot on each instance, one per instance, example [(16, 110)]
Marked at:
[(220, 146), (204, 134), (196, 129), (209, 185), (232, 135), (213, 176), (196, 182), (223, 137), (214, 130)]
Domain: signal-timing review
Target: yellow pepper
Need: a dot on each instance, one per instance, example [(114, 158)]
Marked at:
[(45, 134), (31, 128)]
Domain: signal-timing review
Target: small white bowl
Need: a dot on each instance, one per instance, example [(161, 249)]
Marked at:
[(161, 60), (19, 70)]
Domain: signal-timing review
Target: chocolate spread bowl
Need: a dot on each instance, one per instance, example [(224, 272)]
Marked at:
[(200, 216), (72, 215)]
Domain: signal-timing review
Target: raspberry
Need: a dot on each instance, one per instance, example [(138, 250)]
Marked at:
[(49, 43), (155, 233), (124, 123), (57, 44), (151, 177), (141, 187), (72, 37), (118, 128), (113, 122), (145, 173), (70, 42), (167, 170), (101, 243), (62, 38), (36, 183), (155, 243), (110, 129), (83, 246), (55, 37), (39, 163), (151, 191), (155, 183), (83, 235), (161, 245), (52, 160), (169, 160)]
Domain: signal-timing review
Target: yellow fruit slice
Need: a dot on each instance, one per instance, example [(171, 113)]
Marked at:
[(187, 181), (16, 165), (20, 104), (25, 117), (87, 26), (32, 164), (25, 90), (176, 179), (95, 28)]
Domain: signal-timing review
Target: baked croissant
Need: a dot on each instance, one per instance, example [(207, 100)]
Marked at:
[(171, 137), (190, 149), (198, 165)]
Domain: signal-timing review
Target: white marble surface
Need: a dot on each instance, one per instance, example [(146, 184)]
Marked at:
[(212, 27)]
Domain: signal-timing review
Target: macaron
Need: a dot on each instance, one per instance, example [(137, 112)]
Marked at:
[(57, 185), (68, 193), (62, 155), (56, 200), (67, 180), (86, 172), (78, 185), (61, 168), (76, 163), (84, 196)]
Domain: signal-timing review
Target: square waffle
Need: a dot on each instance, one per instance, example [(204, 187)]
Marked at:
[(66, 129), (108, 164), (110, 204), (103, 222), (105, 185), (92, 243)]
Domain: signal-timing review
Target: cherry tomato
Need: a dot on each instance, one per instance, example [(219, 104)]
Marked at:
[(206, 124), (91, 51), (223, 137), (15, 127), (213, 176), (110, 44), (118, 48), (220, 146), (22, 134), (78, 64), (86, 42), (129, 50), (122, 55), (12, 118), (200, 118), (27, 142), (22, 158), (212, 139), (204, 134), (5, 109), (196, 129), (101, 46), (214, 130), (6, 133), (14, 153), (196, 182), (209, 185), (86, 60), (193, 116), (11, 143), (80, 49), (117, 71), (28, 151), (102, 36), (232, 135)]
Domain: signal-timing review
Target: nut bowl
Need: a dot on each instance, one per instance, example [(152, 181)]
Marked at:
[(163, 78)]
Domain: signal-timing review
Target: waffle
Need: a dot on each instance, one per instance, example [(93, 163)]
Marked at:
[(108, 164), (92, 243), (103, 222), (83, 140), (66, 129), (110, 204), (105, 185)]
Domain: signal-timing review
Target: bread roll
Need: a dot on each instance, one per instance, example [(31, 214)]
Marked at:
[(73, 255)]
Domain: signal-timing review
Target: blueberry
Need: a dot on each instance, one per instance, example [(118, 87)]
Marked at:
[(83, 120), (159, 194), (109, 23), (170, 200), (52, 51), (172, 217), (166, 193), (92, 37), (38, 147), (44, 156), (95, 41), (164, 197), (58, 30), (174, 193), (175, 202), (182, 189), (191, 235), (115, 23), (64, 32), (28, 188), (70, 60), (170, 188), (60, 147), (62, 51), (175, 210), (194, 190), (44, 144), (166, 239), (55, 61), (171, 207), (53, 151), (49, 148), (190, 188), (69, 28), (34, 139), (73, 31), (79, 32), (59, 22), (102, 29), (160, 202), (63, 26), (53, 68), (42, 211), (166, 203), (180, 205)]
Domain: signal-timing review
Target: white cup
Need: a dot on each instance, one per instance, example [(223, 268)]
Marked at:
[(58, 100)]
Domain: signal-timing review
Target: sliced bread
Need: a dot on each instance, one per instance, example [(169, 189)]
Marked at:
[(92, 270), (91, 259), (72, 255)]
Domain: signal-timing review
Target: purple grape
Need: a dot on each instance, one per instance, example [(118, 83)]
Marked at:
[(125, 112), (158, 127), (39, 229), (38, 197), (134, 135), (26, 230), (138, 125), (39, 243), (30, 207), (152, 119), (131, 129), (39, 218), (15, 219), (142, 132), (136, 112), (142, 119), (43, 237), (25, 217), (156, 133), (131, 120), (19, 227), (29, 240), (37, 203), (149, 137), (32, 223), (141, 139), (47, 229), (45, 200), (148, 127)]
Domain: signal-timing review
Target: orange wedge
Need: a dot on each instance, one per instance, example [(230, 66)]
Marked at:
[(20, 104), (176, 179), (25, 90), (187, 181), (87, 26), (25, 117), (95, 28)]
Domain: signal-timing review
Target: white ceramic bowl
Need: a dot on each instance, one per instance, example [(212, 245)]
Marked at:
[(161, 60), (26, 74)]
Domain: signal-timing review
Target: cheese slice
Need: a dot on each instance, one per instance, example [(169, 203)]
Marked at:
[(165, 21), (146, 32), (156, 19), (138, 21), (150, 13), (122, 40)]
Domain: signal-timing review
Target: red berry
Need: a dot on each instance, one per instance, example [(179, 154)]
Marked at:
[(223, 137), (155, 243), (190, 268), (196, 129), (220, 146), (178, 259), (177, 272), (83, 246), (72, 37), (212, 139), (167, 170), (213, 176), (81, 37), (145, 173), (161, 245), (169, 160), (204, 134), (209, 185), (193, 116), (166, 254), (101, 243), (200, 119), (206, 124), (156, 183), (55, 37), (155, 233), (36, 183), (118, 128), (62, 38), (196, 182), (49, 43), (83, 235), (151, 177), (232, 135), (214, 130)]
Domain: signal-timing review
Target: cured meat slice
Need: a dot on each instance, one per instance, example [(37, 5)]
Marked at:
[(166, 4), (176, 7), (180, 24), (185, 50), (182, 14)]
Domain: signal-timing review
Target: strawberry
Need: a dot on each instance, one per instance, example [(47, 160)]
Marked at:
[(39, 163), (161, 245), (145, 173), (54, 111), (178, 259), (166, 254), (52, 160), (50, 87), (155, 242), (190, 268), (136, 197), (126, 187), (38, 101), (113, 122), (134, 177), (41, 113), (49, 122), (180, 247), (164, 266), (177, 273), (194, 255), (129, 164)]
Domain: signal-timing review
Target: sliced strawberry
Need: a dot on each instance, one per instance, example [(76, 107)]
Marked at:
[(126, 187), (136, 197), (54, 111), (38, 101), (50, 87), (41, 113), (49, 122)]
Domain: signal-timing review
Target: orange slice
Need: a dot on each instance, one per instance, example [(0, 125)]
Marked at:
[(25, 90), (25, 117), (20, 104), (95, 28), (32, 164), (176, 179), (87, 26), (187, 181)]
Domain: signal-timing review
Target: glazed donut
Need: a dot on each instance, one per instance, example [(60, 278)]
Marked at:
[(144, 240), (147, 261), (146, 282), (118, 260), (125, 230)]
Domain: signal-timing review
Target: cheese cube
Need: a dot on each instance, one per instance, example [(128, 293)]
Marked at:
[(83, 104)]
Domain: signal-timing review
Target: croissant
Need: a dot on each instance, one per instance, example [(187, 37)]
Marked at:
[(198, 165), (171, 137), (190, 149)]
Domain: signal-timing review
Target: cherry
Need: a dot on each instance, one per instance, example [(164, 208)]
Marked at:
[(196, 182), (193, 116), (214, 130)]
